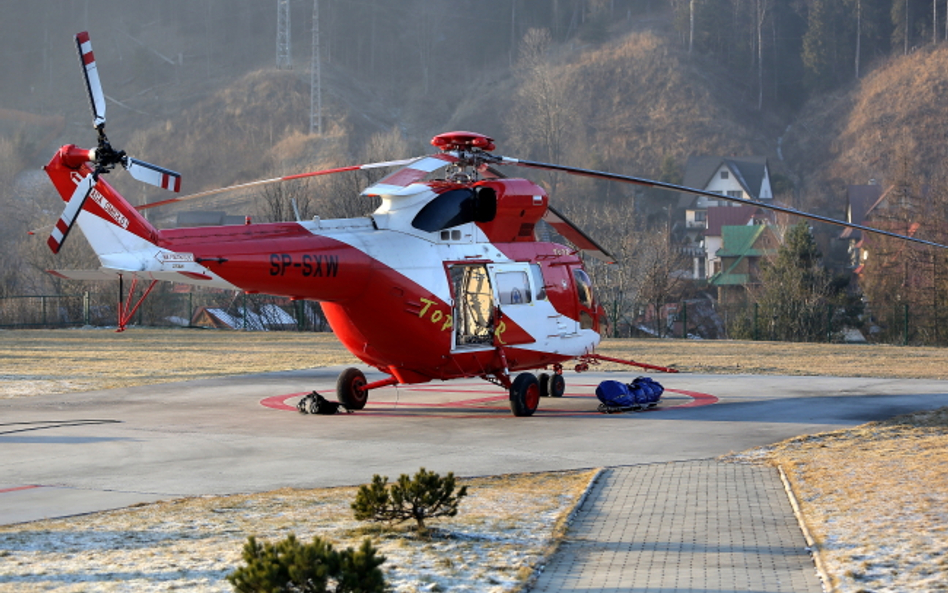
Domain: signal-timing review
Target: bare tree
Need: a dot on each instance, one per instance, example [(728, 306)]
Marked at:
[(543, 117)]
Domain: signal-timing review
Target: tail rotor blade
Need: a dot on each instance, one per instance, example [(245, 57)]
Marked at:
[(91, 73), (153, 174), (58, 236)]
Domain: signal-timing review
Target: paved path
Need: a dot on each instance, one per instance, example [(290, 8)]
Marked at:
[(685, 526)]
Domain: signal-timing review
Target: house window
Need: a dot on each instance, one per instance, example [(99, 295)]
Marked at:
[(724, 175), (701, 215), (735, 193)]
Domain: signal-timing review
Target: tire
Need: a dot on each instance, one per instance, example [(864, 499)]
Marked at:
[(544, 379), (524, 395), (557, 385), (349, 389)]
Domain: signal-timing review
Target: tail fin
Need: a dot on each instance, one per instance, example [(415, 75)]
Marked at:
[(110, 224)]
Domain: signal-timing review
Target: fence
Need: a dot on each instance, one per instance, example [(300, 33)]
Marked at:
[(163, 308), (901, 324)]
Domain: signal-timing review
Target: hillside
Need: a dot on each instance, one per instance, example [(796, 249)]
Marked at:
[(633, 101), (890, 121)]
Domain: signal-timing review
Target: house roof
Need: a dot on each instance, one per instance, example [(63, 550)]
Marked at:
[(741, 241), (269, 316), (748, 170), (860, 199), (721, 216)]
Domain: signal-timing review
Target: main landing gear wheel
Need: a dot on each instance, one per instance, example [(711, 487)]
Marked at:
[(557, 385), (552, 385), (350, 389), (524, 395)]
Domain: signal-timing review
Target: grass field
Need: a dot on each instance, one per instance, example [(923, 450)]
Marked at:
[(62, 361), (875, 497)]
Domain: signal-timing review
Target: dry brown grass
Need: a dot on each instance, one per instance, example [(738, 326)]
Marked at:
[(782, 358), (60, 361), (504, 528), (875, 498)]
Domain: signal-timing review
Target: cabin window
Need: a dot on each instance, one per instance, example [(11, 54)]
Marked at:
[(513, 288)]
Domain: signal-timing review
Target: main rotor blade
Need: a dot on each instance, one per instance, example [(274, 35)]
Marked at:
[(261, 182), (576, 236), (73, 207), (153, 174), (91, 73), (699, 192)]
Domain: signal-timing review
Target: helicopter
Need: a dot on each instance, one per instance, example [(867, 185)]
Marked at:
[(446, 279)]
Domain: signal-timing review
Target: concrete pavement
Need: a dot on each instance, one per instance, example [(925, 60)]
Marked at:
[(683, 527)]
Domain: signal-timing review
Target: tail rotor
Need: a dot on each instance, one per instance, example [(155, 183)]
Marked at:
[(104, 157)]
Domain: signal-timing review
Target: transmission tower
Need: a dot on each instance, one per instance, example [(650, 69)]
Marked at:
[(284, 60), (315, 79)]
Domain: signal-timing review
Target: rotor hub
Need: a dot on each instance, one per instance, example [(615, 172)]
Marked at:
[(463, 141)]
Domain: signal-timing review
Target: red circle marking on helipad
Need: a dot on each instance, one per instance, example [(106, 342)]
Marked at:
[(477, 404)]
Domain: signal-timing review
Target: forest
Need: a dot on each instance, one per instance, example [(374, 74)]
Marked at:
[(833, 92)]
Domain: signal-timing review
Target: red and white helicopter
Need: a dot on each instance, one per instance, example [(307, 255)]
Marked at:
[(446, 279)]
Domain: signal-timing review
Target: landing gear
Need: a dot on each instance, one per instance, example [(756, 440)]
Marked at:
[(552, 385), (557, 385), (524, 394), (350, 389)]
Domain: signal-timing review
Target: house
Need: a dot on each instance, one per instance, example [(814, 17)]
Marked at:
[(861, 200), (741, 177), (720, 217), (743, 248), (269, 317), (738, 177)]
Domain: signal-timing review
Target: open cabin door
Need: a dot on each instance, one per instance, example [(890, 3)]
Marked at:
[(481, 290), (473, 306)]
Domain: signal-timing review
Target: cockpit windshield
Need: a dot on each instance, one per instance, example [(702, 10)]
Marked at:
[(457, 206), (447, 210)]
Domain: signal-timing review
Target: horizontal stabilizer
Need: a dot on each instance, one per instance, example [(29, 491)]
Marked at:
[(84, 274)]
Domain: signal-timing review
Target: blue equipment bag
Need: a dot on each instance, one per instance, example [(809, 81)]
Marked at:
[(614, 393), (641, 393)]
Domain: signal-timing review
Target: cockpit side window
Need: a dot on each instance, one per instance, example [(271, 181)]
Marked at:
[(539, 286), (583, 288)]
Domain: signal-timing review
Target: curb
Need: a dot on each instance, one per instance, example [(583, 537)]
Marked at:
[(527, 585), (812, 546)]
